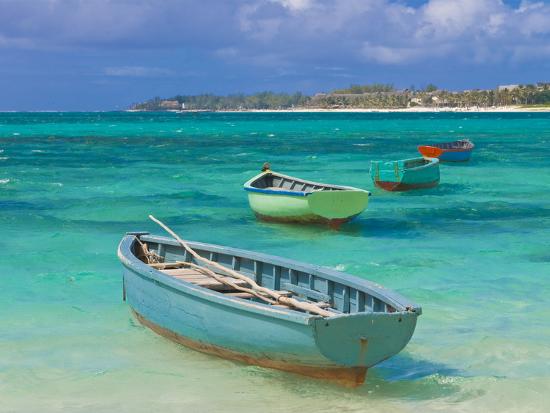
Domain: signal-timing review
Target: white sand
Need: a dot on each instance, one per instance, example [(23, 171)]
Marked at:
[(413, 109)]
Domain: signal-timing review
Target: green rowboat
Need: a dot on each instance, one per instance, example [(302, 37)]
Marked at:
[(406, 174), (277, 197)]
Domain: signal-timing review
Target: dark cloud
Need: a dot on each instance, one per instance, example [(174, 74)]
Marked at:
[(189, 46)]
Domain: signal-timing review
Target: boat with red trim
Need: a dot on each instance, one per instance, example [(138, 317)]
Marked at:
[(456, 151), (405, 174)]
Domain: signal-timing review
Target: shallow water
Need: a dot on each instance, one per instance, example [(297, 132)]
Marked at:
[(474, 252)]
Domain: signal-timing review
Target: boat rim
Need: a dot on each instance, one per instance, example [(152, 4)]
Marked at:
[(401, 304), (280, 191), (432, 161), (470, 146)]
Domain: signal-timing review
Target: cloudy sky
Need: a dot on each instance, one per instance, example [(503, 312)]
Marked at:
[(107, 54)]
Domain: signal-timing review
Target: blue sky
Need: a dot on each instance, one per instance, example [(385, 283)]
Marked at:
[(107, 54)]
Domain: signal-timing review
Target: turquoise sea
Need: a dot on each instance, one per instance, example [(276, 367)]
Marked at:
[(474, 252)]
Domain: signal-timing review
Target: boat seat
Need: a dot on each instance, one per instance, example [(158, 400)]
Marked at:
[(280, 189), (182, 272), (214, 284)]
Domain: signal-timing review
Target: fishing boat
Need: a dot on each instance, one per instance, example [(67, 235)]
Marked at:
[(456, 151), (415, 173), (277, 197), (354, 323)]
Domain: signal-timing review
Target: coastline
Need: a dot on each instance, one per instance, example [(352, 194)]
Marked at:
[(416, 109)]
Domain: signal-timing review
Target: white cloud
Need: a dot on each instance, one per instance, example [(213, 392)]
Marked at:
[(452, 19), (17, 42), (296, 5), (390, 55), (391, 33), (136, 71), (226, 52), (386, 32), (400, 55)]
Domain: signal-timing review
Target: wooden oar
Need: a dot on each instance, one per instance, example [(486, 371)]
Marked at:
[(278, 297)]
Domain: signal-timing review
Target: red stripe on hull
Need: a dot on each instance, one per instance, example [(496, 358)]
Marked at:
[(345, 376), (446, 155), (399, 186)]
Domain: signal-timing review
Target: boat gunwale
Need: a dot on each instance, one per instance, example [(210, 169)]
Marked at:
[(130, 261), (468, 148), (397, 301), (432, 162), (283, 191)]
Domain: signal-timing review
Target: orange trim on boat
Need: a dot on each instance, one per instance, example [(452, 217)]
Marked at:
[(349, 377)]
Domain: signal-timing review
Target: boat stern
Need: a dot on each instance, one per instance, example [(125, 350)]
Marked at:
[(364, 339), (342, 204), (430, 151)]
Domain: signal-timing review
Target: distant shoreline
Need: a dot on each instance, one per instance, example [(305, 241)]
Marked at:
[(416, 109)]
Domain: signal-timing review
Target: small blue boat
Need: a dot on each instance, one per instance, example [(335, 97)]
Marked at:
[(456, 151), (406, 174), (366, 323)]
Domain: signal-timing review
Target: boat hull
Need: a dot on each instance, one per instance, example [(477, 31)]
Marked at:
[(306, 219), (446, 155), (349, 377), (393, 176), (400, 186), (330, 207)]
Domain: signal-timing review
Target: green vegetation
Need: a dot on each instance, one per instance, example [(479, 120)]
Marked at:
[(263, 100), (430, 88), (374, 96), (359, 89)]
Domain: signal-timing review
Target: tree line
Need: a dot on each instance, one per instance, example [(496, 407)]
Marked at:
[(381, 96), (262, 100)]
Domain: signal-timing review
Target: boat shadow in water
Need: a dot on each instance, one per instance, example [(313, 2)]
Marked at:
[(405, 377), (401, 377), (359, 227), (383, 228), (443, 189)]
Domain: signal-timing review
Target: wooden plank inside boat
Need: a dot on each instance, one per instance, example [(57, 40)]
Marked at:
[(183, 271)]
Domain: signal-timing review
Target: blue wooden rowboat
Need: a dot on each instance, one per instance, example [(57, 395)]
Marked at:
[(369, 323), (415, 173), (456, 151)]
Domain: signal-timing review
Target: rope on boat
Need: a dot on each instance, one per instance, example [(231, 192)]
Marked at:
[(151, 256), (266, 294)]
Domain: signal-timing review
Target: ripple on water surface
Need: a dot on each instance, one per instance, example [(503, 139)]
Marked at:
[(473, 252)]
